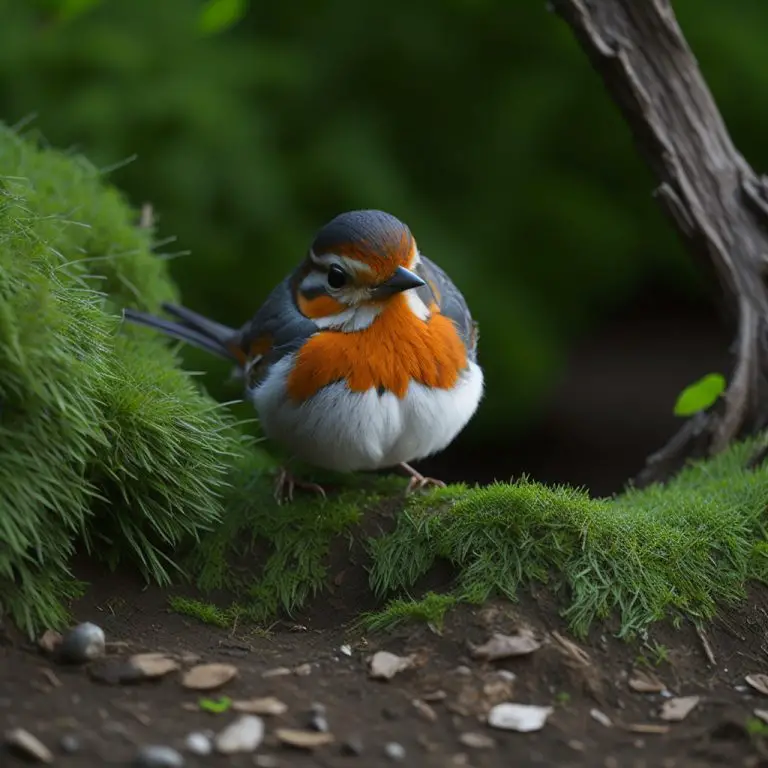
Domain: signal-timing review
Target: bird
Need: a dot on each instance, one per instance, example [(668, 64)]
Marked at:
[(364, 357)]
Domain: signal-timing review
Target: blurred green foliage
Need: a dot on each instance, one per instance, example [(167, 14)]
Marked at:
[(479, 122)]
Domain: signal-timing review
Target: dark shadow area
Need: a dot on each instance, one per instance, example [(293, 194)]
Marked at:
[(613, 405)]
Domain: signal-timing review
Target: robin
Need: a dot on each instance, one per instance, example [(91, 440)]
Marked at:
[(364, 357)]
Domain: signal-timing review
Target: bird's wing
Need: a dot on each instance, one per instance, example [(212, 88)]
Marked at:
[(451, 302), (277, 329)]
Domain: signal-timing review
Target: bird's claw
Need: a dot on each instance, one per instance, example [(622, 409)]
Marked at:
[(285, 483), (419, 482)]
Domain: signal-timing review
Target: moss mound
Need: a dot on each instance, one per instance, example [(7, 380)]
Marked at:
[(103, 440)]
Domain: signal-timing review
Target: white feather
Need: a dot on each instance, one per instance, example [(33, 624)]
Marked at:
[(347, 431)]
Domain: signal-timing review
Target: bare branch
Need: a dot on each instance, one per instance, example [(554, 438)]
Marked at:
[(715, 200)]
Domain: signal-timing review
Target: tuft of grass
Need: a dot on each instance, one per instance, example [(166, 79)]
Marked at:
[(646, 555), (207, 613), (104, 441), (430, 609)]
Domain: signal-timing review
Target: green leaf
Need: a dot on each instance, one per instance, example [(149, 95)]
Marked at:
[(217, 15), (217, 706), (700, 395)]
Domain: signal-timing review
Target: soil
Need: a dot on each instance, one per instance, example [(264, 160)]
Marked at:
[(51, 700)]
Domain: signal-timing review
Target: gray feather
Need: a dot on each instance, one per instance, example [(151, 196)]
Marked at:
[(452, 304)]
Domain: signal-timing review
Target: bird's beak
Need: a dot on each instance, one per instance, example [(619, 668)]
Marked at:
[(402, 280)]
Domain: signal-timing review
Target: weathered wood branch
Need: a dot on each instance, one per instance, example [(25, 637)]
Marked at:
[(715, 200)]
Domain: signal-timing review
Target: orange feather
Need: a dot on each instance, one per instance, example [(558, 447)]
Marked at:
[(394, 350)]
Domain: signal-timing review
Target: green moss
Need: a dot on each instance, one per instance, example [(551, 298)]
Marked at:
[(647, 555), (207, 613)]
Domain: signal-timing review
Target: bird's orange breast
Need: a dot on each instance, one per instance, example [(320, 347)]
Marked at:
[(394, 350)]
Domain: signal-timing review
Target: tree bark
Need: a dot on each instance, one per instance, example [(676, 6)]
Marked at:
[(716, 201)]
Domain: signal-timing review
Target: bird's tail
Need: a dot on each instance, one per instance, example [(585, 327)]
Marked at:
[(190, 327)]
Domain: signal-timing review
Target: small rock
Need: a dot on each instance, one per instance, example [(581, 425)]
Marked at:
[(206, 677), (346, 650), (352, 746), (425, 711), (303, 670), (84, 642), (507, 675), (276, 672), (268, 705), (317, 719), (644, 682), (759, 682), (601, 718), (394, 751), (678, 708), (157, 756), (463, 670), (518, 717), (244, 735), (294, 737), (154, 665), (439, 695), (385, 665), (70, 743), (198, 744), (501, 646), (477, 740), (49, 641), (26, 745)]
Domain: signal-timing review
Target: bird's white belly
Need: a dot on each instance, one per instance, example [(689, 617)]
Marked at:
[(346, 431)]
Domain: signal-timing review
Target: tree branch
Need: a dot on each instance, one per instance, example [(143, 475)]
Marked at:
[(715, 200)]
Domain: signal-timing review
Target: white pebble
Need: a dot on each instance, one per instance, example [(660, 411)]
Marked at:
[(243, 735), (394, 751), (198, 744), (155, 756)]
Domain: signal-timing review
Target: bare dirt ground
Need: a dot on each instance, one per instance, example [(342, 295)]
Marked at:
[(425, 709)]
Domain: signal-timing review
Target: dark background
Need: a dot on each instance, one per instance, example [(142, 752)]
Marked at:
[(478, 122)]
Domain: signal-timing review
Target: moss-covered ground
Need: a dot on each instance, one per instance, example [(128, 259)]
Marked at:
[(107, 445)]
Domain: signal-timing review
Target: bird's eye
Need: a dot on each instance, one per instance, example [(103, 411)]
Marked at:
[(337, 278)]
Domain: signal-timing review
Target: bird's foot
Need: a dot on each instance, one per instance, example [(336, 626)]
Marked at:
[(285, 483), (419, 482)]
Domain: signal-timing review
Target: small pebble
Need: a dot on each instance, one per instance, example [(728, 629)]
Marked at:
[(394, 751), (70, 743), (156, 756), (303, 670), (317, 718), (82, 643), (352, 747), (346, 650), (23, 743), (243, 735), (207, 677), (477, 740), (198, 744)]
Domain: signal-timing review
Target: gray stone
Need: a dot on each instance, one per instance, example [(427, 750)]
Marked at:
[(82, 643), (157, 756), (394, 751)]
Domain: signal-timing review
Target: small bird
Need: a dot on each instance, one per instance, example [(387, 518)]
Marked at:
[(364, 357)]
